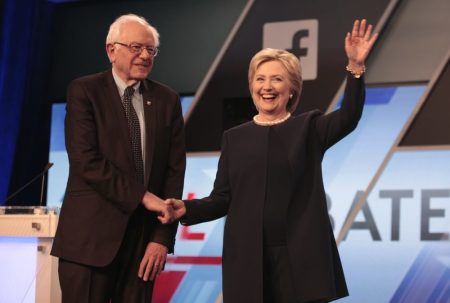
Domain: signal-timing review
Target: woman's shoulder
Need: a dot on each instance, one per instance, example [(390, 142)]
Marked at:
[(244, 127), (307, 115), (300, 119)]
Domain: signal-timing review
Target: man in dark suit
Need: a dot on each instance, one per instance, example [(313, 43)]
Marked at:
[(125, 142)]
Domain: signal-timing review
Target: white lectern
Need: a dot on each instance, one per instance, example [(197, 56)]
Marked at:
[(26, 239)]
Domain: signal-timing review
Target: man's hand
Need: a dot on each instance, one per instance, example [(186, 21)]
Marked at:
[(179, 209), (153, 261), (155, 204)]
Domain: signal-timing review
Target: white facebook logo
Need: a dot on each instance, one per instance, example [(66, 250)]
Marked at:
[(299, 37)]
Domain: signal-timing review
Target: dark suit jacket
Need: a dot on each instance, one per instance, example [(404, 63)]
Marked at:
[(102, 191), (239, 193)]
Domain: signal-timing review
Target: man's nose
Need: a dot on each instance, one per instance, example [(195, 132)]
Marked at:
[(145, 54)]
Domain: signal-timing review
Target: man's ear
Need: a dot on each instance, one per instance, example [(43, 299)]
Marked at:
[(110, 51)]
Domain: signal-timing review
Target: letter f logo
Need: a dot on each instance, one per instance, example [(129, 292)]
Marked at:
[(298, 37)]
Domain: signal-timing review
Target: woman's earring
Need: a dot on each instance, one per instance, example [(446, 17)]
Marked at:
[(290, 96)]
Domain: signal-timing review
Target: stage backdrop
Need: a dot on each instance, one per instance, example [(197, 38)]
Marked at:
[(398, 245)]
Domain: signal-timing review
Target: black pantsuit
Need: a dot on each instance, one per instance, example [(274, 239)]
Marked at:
[(240, 192)]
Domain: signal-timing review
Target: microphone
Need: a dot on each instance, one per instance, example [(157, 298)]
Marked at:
[(42, 173)]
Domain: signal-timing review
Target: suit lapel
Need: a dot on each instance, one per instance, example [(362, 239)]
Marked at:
[(150, 100), (115, 103), (150, 107)]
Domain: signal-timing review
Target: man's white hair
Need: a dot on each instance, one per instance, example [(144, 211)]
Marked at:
[(114, 30)]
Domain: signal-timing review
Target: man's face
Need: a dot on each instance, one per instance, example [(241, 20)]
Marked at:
[(132, 66)]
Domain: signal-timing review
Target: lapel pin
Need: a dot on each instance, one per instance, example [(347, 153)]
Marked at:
[(149, 102)]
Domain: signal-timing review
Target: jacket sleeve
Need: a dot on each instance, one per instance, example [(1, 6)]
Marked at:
[(86, 159), (216, 204), (174, 178), (336, 125)]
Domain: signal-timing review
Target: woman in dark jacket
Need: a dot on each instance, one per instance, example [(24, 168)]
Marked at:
[(278, 241)]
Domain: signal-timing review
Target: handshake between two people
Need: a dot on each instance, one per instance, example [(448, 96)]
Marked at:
[(168, 210)]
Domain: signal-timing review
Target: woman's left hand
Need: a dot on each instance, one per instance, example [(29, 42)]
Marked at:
[(359, 42)]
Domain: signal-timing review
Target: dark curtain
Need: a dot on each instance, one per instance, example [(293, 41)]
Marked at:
[(24, 104)]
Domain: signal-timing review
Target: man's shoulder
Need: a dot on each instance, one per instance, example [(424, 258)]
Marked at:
[(101, 76), (158, 87), (91, 82)]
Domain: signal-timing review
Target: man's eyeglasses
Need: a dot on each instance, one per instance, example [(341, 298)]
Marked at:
[(138, 48)]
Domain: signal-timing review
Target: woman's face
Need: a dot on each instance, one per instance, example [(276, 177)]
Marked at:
[(270, 89)]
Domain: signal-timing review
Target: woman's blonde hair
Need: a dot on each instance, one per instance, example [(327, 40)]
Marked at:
[(292, 65)]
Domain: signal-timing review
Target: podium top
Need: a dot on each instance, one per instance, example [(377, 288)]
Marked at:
[(28, 210), (28, 221)]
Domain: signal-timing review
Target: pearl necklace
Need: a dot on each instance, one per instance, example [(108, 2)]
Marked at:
[(269, 123)]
